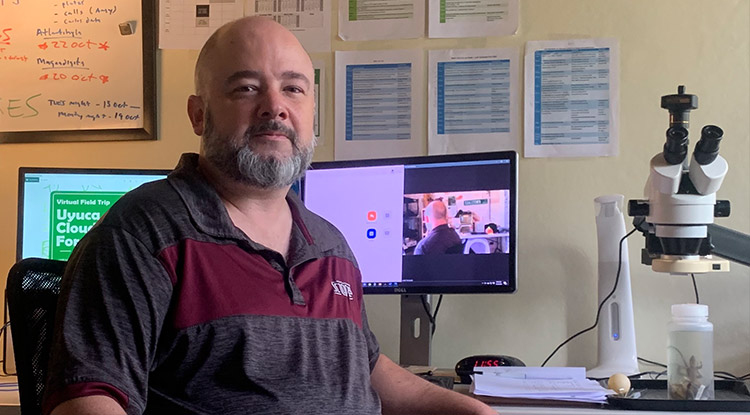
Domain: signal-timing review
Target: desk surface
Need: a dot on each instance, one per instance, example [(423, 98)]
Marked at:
[(537, 410), (9, 403), (567, 410)]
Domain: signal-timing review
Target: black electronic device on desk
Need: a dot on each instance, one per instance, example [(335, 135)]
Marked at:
[(651, 395), (466, 366)]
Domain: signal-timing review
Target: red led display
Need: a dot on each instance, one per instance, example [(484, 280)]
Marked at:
[(487, 363)]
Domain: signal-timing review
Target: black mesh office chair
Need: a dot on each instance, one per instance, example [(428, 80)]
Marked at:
[(32, 291)]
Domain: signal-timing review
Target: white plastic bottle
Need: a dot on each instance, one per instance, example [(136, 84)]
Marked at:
[(690, 353)]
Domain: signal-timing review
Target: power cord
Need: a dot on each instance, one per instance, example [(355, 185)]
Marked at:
[(719, 374), (3, 336), (695, 288), (432, 317), (651, 362), (599, 310)]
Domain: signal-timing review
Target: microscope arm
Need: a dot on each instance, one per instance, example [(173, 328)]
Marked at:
[(730, 244)]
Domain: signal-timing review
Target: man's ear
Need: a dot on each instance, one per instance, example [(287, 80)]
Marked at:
[(197, 114)]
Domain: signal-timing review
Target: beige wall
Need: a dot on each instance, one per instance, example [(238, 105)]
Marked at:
[(663, 43)]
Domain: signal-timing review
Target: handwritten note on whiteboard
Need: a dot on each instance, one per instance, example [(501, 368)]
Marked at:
[(71, 65)]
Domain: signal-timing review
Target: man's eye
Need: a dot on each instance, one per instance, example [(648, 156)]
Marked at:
[(246, 88), (295, 89)]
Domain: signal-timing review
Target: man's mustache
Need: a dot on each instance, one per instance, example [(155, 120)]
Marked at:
[(272, 125)]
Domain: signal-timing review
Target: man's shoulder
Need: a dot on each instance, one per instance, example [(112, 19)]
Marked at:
[(148, 216), (326, 235), (158, 192), (323, 232), (145, 206), (428, 240)]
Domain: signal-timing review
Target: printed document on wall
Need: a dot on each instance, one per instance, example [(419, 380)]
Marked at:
[(473, 100), (475, 18), (379, 101), (320, 85), (381, 19), (309, 20), (187, 24), (571, 98)]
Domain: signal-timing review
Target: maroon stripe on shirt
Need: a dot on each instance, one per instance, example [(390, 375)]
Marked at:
[(79, 390), (215, 281)]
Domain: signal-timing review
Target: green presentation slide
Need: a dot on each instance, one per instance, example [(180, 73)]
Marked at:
[(72, 215)]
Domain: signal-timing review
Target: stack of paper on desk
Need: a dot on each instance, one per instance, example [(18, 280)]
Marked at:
[(558, 383)]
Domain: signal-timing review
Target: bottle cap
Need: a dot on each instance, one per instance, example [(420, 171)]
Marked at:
[(690, 310)]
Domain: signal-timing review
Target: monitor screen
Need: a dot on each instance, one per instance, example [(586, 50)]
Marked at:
[(424, 225), (56, 207)]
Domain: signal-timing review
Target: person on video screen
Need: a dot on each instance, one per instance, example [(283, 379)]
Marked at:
[(442, 239)]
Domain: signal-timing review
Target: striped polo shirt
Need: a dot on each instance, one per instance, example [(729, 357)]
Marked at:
[(169, 308)]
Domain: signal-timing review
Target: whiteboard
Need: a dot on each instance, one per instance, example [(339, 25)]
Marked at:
[(72, 65)]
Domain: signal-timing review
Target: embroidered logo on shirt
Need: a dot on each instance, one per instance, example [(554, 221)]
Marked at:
[(342, 288)]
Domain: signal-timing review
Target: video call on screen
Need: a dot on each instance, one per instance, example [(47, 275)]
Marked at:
[(381, 211)]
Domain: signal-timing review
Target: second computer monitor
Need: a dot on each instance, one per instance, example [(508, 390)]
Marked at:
[(57, 206), (422, 225)]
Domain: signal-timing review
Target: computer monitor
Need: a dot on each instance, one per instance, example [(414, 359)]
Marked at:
[(386, 210), (57, 206)]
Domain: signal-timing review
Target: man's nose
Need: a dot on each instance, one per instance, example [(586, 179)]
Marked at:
[(272, 106)]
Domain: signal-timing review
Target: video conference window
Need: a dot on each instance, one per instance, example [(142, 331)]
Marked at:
[(469, 222)]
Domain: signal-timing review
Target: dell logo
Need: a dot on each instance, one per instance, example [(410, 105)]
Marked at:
[(399, 290)]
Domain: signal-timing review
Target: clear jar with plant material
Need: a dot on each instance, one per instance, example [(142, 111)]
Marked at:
[(690, 353)]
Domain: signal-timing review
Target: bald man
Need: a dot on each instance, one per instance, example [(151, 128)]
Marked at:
[(441, 237), (215, 290)]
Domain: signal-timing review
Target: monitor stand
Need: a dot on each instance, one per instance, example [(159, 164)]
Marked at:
[(416, 333)]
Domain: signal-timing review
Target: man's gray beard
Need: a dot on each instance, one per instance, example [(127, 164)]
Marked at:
[(234, 157)]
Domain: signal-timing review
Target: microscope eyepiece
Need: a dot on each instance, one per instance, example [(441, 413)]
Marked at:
[(676, 147), (707, 148)]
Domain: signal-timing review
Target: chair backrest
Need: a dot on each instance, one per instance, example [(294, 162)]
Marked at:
[(32, 291), (477, 246)]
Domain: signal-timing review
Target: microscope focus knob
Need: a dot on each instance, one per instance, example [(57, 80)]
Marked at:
[(638, 207)]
